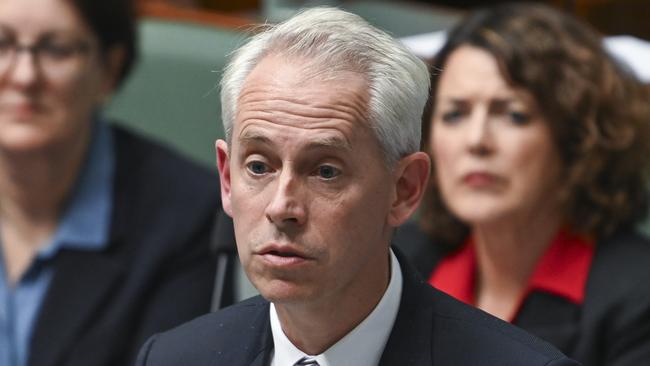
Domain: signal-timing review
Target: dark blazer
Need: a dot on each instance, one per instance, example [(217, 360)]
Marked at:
[(611, 327), (156, 272), (431, 328)]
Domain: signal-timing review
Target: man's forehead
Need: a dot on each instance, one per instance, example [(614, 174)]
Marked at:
[(257, 134), (276, 93)]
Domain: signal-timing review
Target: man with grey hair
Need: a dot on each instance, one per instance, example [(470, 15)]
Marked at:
[(321, 163)]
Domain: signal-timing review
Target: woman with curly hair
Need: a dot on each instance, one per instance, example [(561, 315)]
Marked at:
[(539, 141)]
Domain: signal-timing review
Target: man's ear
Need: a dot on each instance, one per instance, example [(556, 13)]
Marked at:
[(411, 176), (223, 165)]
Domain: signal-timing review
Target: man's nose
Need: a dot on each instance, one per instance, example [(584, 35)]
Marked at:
[(286, 207)]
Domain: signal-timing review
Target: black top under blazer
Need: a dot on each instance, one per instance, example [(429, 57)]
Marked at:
[(156, 272), (610, 328), (431, 328)]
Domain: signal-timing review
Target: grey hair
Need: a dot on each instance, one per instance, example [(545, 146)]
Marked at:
[(331, 38)]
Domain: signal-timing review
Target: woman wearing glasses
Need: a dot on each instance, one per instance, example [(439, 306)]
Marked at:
[(540, 147), (104, 236)]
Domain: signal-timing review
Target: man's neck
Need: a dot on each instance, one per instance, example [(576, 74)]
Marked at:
[(314, 327)]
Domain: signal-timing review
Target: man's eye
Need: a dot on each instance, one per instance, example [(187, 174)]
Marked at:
[(328, 172), (257, 167)]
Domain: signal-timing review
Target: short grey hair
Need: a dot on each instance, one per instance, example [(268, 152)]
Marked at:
[(334, 39)]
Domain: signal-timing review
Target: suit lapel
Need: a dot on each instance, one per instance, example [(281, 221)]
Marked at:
[(411, 338), (250, 343), (263, 358), (61, 320), (264, 342)]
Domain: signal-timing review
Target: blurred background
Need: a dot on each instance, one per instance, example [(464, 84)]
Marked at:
[(609, 16)]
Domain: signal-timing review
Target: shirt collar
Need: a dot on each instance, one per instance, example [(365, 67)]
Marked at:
[(562, 270), (364, 345), (86, 218)]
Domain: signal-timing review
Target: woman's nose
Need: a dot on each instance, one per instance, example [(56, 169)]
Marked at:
[(23, 71), (479, 139)]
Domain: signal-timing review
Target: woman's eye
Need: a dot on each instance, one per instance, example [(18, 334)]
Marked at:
[(6, 45), (56, 51), (452, 116), (328, 172), (257, 167), (519, 118)]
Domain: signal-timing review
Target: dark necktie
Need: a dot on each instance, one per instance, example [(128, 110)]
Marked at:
[(306, 361)]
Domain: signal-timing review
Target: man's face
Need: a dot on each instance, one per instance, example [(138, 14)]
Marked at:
[(306, 184)]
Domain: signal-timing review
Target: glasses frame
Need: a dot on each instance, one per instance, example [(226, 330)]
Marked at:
[(67, 66)]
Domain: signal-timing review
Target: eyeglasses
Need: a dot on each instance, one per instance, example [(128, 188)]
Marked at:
[(56, 58)]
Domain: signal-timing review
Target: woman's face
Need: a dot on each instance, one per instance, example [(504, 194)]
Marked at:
[(51, 75), (494, 154)]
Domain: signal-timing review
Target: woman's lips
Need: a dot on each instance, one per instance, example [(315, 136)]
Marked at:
[(480, 179), (20, 110)]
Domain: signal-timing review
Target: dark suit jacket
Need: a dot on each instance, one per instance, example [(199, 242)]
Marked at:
[(611, 327), (431, 329), (156, 272)]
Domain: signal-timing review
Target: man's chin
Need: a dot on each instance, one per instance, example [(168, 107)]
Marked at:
[(284, 292)]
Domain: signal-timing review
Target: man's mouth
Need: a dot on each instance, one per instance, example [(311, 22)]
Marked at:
[(283, 256)]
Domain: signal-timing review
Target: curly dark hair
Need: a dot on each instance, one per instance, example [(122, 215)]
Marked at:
[(598, 113)]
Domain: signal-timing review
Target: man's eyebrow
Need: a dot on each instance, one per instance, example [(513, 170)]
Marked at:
[(250, 137), (330, 142)]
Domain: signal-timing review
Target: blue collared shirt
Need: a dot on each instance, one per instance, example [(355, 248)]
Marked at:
[(84, 225)]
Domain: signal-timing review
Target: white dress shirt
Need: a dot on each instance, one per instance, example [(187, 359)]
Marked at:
[(363, 346)]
